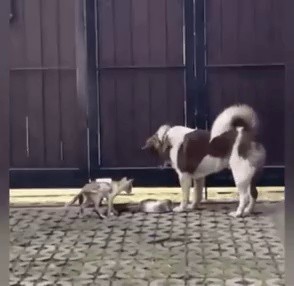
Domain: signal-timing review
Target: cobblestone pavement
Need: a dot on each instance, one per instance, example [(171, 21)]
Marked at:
[(205, 247)]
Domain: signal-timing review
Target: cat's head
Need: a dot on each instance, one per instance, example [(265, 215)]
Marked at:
[(126, 185)]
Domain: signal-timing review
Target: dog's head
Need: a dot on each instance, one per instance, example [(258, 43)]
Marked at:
[(159, 141)]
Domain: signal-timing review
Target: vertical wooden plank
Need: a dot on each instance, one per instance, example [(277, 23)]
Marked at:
[(51, 82), (278, 32), (174, 27), (142, 117), (270, 92), (140, 33), (106, 33), (108, 119), (175, 97), (123, 32), (34, 81), (231, 87), (67, 33), (158, 99), (17, 37), (125, 118), (18, 96), (246, 32), (69, 120), (82, 83), (214, 31), (18, 103), (68, 95), (157, 32), (229, 31), (215, 95), (263, 31), (52, 118)]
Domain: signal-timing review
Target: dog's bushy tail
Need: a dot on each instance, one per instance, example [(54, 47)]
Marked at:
[(233, 117)]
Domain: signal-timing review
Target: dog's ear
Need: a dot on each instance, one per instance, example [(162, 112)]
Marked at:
[(151, 142)]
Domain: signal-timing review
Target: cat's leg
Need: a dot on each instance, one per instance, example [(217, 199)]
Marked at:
[(97, 206), (111, 209)]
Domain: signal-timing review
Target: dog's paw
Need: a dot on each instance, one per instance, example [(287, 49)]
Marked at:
[(192, 206), (179, 209), (247, 213), (235, 214)]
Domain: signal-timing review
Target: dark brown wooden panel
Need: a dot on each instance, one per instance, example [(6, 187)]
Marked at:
[(18, 99), (34, 87), (175, 97), (263, 89), (33, 47), (244, 31), (108, 119), (140, 34), (246, 35), (229, 25), (157, 32), (174, 31), (264, 31), (66, 24), (50, 44), (52, 115), (18, 112), (133, 104), (50, 31), (17, 37), (278, 44), (122, 32), (125, 117), (69, 120), (142, 126), (106, 32), (158, 99), (214, 31)]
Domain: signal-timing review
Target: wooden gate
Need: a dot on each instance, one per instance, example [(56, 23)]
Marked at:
[(88, 85), (48, 125), (245, 64), (141, 82)]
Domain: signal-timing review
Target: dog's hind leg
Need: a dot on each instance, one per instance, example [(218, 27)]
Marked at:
[(244, 198), (243, 174), (253, 195)]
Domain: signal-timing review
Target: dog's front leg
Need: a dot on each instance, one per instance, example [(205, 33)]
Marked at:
[(185, 182)]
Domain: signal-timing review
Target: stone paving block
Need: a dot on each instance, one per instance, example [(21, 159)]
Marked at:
[(130, 282), (243, 281), (206, 282), (167, 282)]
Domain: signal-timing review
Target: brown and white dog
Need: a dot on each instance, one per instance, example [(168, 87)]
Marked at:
[(195, 154)]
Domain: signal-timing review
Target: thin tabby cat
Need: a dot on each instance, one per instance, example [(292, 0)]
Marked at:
[(95, 192)]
